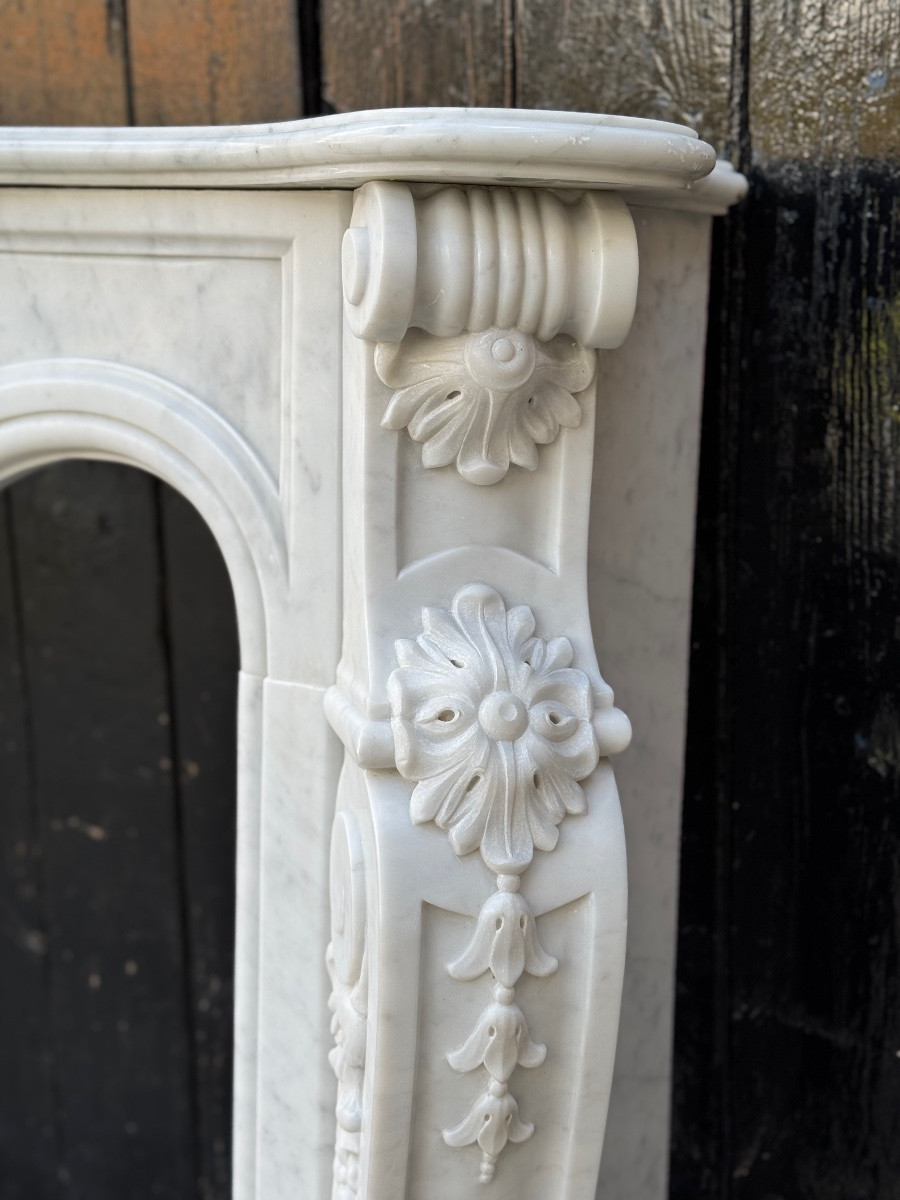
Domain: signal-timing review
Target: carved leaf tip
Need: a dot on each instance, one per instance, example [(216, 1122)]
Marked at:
[(492, 1121), (500, 1042), (505, 943)]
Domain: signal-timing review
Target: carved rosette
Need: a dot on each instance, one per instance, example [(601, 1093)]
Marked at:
[(484, 400), (494, 727), (348, 969)]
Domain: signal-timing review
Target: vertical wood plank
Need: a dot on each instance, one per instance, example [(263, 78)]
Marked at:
[(214, 62), (814, 831), (701, 1163), (388, 53), (96, 668), (63, 62), (666, 59), (788, 1082), (823, 81), (29, 1136), (201, 634)]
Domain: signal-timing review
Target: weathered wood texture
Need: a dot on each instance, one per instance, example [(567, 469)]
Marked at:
[(63, 62), (150, 62), (668, 59), (117, 933), (104, 799), (822, 81), (213, 62), (788, 1025), (202, 652), (29, 1141), (383, 54)]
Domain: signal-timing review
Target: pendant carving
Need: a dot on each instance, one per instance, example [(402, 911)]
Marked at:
[(494, 727), (346, 960), (505, 943)]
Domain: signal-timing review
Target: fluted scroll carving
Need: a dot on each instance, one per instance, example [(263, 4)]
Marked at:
[(496, 729), (473, 258)]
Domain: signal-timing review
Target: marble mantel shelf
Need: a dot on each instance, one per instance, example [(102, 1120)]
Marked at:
[(426, 145), (431, 377)]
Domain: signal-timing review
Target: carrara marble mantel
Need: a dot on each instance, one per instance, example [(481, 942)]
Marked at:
[(383, 355)]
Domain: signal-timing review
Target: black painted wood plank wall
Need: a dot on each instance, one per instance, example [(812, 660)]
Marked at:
[(117, 725), (117, 642), (787, 1069)]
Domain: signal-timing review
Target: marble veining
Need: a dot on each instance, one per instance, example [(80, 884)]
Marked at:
[(387, 386)]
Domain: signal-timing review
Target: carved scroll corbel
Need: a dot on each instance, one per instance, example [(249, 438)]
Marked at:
[(488, 306)]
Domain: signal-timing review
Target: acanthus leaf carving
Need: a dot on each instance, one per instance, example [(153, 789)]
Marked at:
[(485, 400), (494, 727)]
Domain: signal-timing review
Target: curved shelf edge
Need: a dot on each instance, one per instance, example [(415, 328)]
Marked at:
[(501, 146)]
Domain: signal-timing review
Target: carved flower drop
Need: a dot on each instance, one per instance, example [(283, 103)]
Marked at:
[(505, 941), (484, 399), (500, 1041), (494, 726), (492, 1122)]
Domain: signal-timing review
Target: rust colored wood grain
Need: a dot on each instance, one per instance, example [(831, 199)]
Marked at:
[(63, 62), (215, 62), (385, 54)]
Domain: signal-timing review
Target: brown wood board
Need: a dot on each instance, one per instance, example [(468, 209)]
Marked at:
[(384, 54), (214, 62), (63, 62)]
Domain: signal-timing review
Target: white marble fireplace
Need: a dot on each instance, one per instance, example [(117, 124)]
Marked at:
[(385, 355)]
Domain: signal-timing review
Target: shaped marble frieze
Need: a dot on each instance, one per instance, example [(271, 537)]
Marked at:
[(495, 728)]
